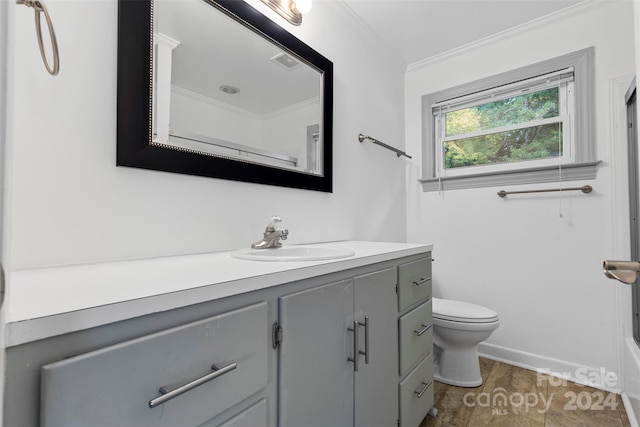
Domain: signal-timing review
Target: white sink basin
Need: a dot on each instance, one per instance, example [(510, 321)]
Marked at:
[(293, 253)]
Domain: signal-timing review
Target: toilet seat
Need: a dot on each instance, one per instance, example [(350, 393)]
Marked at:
[(463, 312)]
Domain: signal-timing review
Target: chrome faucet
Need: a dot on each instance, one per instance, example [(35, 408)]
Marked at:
[(272, 235)]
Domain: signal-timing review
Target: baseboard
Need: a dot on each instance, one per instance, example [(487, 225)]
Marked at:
[(628, 407), (587, 375), (631, 368)]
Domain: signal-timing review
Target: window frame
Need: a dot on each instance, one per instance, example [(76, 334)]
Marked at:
[(584, 164), (566, 112)]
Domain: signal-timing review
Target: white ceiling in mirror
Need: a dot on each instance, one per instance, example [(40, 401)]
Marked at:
[(420, 29), (215, 52)]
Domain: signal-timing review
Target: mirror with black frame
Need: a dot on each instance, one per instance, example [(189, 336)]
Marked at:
[(214, 88)]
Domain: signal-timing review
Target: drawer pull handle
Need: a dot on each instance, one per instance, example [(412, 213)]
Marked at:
[(424, 329), (354, 359), (421, 281), (365, 353), (168, 392), (425, 386)]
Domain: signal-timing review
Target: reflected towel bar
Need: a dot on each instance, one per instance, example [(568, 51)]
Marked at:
[(585, 189), (399, 153)]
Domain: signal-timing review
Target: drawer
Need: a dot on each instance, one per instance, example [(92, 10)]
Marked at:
[(416, 336), (416, 394), (114, 385), (414, 282), (255, 416)]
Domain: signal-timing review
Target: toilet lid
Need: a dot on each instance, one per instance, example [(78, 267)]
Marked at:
[(459, 311)]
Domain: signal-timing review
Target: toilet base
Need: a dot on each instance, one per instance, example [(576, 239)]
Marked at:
[(458, 368)]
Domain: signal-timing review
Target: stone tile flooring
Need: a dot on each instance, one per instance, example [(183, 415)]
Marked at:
[(514, 397)]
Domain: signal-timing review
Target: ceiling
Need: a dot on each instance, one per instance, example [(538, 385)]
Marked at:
[(420, 29), (415, 29), (215, 51)]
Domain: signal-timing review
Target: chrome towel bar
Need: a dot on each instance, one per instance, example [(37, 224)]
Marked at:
[(362, 137), (585, 189)]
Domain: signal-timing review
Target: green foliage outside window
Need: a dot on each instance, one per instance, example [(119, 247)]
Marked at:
[(522, 143)]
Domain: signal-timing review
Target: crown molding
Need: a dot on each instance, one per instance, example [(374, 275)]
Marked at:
[(567, 13), (356, 23)]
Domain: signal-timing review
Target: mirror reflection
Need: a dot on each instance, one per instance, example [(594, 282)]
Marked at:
[(220, 89)]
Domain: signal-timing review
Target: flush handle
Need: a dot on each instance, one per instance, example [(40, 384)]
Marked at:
[(623, 271)]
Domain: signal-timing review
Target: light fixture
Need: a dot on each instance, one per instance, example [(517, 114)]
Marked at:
[(291, 10), (303, 6)]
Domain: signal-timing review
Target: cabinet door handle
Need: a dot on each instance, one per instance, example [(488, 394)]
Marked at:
[(354, 359), (424, 329), (425, 386), (168, 392), (421, 281), (365, 353)]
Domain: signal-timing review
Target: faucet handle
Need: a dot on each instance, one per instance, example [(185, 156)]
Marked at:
[(284, 234)]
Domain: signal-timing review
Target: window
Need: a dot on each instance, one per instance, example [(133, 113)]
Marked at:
[(494, 129), (514, 128)]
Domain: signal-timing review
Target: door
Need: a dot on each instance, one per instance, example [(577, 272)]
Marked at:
[(627, 271), (316, 376), (5, 23), (339, 354), (634, 198), (376, 382)]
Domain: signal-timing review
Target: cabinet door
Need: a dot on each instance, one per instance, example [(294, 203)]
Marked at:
[(414, 283), (416, 394), (316, 377), (376, 390), (415, 345), (116, 385)]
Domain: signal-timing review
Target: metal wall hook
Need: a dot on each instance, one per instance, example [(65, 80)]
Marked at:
[(39, 7)]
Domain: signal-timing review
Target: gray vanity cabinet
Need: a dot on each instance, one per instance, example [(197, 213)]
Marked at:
[(338, 355), (415, 330), (350, 347), (209, 365)]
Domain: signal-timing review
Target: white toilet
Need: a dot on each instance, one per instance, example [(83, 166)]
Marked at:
[(458, 328)]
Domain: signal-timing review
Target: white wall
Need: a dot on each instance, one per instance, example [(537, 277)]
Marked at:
[(69, 203), (204, 116), (540, 272), (4, 131)]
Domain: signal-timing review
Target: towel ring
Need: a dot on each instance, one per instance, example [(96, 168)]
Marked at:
[(39, 7)]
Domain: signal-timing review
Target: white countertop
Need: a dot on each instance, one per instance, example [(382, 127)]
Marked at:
[(45, 302)]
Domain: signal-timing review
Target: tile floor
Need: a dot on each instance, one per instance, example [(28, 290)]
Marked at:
[(514, 397)]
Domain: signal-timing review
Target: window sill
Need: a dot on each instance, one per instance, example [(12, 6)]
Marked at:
[(570, 172)]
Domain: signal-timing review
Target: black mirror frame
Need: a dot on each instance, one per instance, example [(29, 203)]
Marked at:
[(134, 147)]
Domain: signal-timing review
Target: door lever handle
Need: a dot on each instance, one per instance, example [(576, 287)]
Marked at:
[(623, 271)]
